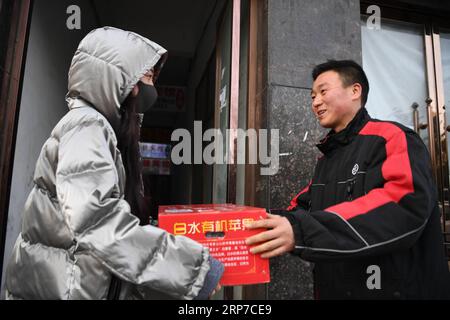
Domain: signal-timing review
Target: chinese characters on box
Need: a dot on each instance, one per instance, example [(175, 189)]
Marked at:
[(221, 228)]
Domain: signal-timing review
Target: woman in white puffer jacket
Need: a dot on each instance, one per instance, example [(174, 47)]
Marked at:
[(83, 222)]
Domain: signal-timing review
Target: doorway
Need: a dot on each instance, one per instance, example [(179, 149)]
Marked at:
[(188, 30), (407, 60), (203, 38)]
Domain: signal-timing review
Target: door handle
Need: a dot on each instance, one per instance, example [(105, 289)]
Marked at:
[(417, 125)]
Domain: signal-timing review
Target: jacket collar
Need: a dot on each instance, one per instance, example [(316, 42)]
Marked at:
[(333, 140)]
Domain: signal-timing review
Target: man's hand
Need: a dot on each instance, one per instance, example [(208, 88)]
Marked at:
[(276, 241)]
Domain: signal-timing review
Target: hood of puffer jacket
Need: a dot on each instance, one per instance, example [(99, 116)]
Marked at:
[(107, 65)]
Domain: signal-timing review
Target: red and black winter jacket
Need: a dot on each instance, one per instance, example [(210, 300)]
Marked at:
[(372, 202)]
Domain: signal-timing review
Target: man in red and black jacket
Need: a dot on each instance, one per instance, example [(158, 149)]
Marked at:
[(369, 218)]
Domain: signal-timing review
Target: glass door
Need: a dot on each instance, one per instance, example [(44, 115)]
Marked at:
[(408, 66), (394, 61), (223, 104)]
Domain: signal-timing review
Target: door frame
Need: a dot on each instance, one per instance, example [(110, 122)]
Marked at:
[(233, 97), (16, 34), (255, 100)]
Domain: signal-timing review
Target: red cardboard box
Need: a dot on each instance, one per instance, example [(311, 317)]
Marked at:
[(220, 227)]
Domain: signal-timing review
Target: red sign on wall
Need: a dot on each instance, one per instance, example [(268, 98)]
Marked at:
[(170, 99), (221, 228)]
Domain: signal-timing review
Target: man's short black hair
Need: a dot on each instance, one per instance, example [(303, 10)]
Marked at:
[(349, 71)]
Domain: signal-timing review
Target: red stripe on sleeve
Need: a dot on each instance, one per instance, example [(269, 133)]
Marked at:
[(396, 171), (294, 201)]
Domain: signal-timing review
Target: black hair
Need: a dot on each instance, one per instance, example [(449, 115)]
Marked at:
[(128, 137), (349, 71)]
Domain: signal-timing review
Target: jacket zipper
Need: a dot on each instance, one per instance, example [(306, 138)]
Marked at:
[(350, 188)]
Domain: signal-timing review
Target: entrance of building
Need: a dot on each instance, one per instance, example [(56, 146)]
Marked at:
[(206, 78)]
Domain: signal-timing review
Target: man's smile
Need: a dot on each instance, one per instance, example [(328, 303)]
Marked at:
[(321, 113)]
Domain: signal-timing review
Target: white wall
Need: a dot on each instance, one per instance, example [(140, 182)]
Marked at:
[(50, 50)]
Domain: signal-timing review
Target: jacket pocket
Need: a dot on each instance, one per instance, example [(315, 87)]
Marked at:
[(354, 187)]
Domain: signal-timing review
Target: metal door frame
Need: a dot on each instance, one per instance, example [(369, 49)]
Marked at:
[(441, 136), (12, 68), (256, 84)]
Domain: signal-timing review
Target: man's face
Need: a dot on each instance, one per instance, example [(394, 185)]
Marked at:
[(332, 104)]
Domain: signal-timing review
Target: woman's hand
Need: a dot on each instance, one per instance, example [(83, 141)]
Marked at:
[(217, 289)]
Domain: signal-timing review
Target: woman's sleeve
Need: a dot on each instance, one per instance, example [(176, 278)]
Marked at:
[(102, 224)]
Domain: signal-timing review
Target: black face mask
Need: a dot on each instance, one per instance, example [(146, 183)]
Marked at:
[(146, 98)]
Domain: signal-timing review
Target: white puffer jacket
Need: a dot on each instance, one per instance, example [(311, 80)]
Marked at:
[(77, 228)]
